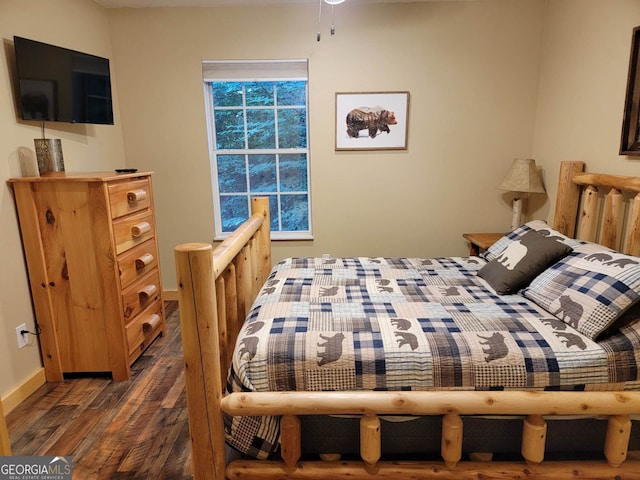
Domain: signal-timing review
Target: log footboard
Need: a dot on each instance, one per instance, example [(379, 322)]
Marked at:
[(452, 406)]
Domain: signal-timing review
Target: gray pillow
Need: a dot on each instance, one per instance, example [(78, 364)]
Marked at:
[(523, 260)]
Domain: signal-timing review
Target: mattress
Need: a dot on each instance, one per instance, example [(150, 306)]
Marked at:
[(362, 323)]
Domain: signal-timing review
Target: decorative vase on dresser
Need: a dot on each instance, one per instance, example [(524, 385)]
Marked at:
[(92, 255)]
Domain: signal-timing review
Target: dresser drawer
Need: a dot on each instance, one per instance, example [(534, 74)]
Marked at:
[(140, 294), (129, 196), (137, 262), (143, 329), (133, 230)]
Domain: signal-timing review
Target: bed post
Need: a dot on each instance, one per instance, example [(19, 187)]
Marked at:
[(260, 205), (214, 288), (199, 326), (567, 200)]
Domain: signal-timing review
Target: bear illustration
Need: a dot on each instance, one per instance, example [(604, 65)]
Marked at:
[(250, 346), (373, 119), (554, 323), (406, 338), (621, 262), (547, 233), (569, 311), (401, 323), (571, 340), (496, 347), (254, 327), (270, 287), (449, 291), (599, 257), (383, 285), (512, 255), (328, 291), (332, 349)]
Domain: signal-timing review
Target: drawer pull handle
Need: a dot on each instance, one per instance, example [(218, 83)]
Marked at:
[(151, 324), (136, 195), (143, 261), (148, 291), (140, 229)]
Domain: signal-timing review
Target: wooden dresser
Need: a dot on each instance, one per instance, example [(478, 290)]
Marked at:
[(92, 255)]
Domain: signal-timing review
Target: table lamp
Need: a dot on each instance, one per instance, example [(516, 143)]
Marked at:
[(522, 179)]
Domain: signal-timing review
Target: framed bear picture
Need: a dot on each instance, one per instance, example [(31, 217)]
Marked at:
[(372, 120), (630, 141)]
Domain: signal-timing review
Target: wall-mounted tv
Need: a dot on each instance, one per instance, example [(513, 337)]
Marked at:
[(56, 84)]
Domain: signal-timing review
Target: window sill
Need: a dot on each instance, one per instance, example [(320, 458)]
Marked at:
[(275, 236)]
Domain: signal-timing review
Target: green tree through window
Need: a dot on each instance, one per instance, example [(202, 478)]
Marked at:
[(259, 147)]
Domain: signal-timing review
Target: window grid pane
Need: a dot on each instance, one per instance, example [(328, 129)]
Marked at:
[(273, 158)]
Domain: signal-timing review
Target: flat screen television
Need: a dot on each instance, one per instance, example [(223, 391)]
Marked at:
[(56, 84)]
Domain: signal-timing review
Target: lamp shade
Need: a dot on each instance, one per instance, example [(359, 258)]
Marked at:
[(522, 177)]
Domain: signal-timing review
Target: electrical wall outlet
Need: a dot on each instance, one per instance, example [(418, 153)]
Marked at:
[(23, 340)]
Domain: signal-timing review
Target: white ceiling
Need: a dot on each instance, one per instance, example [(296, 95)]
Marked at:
[(218, 3)]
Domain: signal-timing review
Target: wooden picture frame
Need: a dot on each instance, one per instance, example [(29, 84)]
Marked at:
[(630, 141), (372, 120)]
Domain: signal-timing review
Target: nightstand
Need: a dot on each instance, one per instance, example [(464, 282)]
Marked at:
[(479, 242)]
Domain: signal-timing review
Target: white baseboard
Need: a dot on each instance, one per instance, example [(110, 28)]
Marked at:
[(12, 399)]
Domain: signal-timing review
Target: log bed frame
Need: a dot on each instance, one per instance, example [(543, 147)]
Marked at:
[(217, 287)]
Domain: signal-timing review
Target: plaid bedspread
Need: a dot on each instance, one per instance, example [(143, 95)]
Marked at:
[(408, 324)]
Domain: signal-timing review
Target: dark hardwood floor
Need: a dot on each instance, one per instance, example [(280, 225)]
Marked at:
[(135, 429)]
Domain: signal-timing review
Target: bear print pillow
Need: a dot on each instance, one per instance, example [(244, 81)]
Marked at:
[(534, 225), (589, 289), (521, 261)]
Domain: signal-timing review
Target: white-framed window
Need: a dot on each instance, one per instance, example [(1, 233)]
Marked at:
[(257, 116)]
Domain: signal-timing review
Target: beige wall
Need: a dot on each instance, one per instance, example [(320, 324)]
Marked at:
[(80, 25), (583, 79), (490, 80), (471, 69)]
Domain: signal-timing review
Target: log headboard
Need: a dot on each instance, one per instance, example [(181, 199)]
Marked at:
[(592, 207)]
